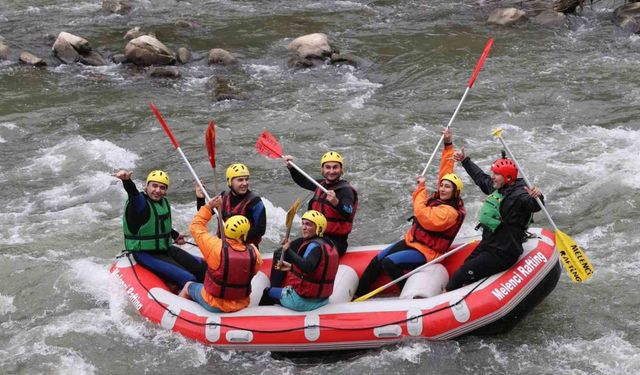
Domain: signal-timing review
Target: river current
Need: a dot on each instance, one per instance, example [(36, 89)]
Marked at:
[(566, 98)]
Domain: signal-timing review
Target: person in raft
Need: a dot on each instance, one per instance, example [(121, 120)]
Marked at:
[(239, 200), (148, 231), (437, 218), (308, 270), (339, 205), (231, 262), (504, 218)]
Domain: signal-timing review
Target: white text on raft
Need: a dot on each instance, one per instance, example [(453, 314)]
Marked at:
[(521, 273)]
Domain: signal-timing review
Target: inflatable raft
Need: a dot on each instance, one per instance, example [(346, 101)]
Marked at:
[(490, 306)]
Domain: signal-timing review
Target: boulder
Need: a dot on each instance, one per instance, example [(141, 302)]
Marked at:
[(133, 33), (4, 50), (311, 45), (164, 72), (117, 6), (70, 48), (146, 50), (627, 17), (567, 6), (31, 59), (550, 18), (221, 57), (92, 58), (184, 55), (506, 16), (222, 89), (119, 58), (343, 58)]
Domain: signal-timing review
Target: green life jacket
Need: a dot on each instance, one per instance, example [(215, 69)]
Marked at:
[(490, 211), (155, 234)]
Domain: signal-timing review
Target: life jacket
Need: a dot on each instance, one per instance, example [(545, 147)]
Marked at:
[(438, 241), (155, 233), (490, 217), (239, 209), (319, 283), (337, 224), (232, 278)]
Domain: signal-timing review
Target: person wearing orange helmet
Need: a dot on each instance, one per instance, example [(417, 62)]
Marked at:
[(338, 205), (437, 218), (504, 217), (148, 231), (231, 262)]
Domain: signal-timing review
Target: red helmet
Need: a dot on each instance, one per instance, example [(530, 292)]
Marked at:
[(506, 168)]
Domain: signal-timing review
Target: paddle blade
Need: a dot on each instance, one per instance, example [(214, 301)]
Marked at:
[(164, 125), (210, 143), (268, 146), (487, 47), (573, 259), (292, 213)]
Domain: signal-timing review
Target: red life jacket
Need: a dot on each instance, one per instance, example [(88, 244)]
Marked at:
[(438, 241), (232, 279), (239, 209), (319, 283), (337, 224)]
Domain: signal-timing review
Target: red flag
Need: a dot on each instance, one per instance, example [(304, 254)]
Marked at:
[(210, 143)]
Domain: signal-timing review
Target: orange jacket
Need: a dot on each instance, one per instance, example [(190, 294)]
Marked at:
[(437, 218), (211, 248)]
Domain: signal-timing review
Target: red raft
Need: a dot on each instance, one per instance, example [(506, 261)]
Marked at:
[(490, 306)]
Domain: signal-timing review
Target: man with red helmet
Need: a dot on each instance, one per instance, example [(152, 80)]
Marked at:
[(504, 218)]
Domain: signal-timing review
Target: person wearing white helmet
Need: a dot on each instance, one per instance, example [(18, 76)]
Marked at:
[(303, 281), (231, 262), (437, 218), (148, 231), (339, 205), (240, 200)]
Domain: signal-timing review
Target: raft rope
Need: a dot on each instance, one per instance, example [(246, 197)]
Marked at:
[(285, 330)]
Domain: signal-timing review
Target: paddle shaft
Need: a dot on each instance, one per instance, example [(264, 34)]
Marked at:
[(472, 80), (526, 180), (408, 274), (184, 157), (324, 190)]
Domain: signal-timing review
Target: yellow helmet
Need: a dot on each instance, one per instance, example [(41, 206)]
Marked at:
[(455, 179), (236, 170), (318, 219), (158, 176), (331, 156), (237, 227)]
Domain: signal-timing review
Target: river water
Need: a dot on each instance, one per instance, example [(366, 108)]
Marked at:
[(567, 99)]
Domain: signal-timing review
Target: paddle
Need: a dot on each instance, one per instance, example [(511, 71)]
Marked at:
[(291, 214), (574, 260), (487, 47), (268, 146), (406, 275), (210, 145), (193, 173)]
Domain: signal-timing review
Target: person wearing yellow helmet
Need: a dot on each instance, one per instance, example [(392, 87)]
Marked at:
[(303, 281), (339, 205), (231, 262), (148, 231), (240, 200), (437, 218)]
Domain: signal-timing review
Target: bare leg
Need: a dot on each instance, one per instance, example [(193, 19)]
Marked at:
[(184, 293)]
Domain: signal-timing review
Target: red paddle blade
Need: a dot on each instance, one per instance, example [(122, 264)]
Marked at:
[(210, 143), (268, 146)]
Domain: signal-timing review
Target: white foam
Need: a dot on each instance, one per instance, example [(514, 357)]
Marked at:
[(2, 140), (6, 305), (75, 365)]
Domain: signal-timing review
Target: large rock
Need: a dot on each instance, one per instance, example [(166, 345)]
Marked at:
[(311, 46), (117, 6), (221, 57), (31, 59), (146, 51), (164, 72), (5, 51), (550, 18), (221, 88), (70, 48), (133, 33), (507, 16), (184, 55), (627, 17)]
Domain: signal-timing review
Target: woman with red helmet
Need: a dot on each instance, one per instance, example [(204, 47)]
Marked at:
[(504, 218)]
